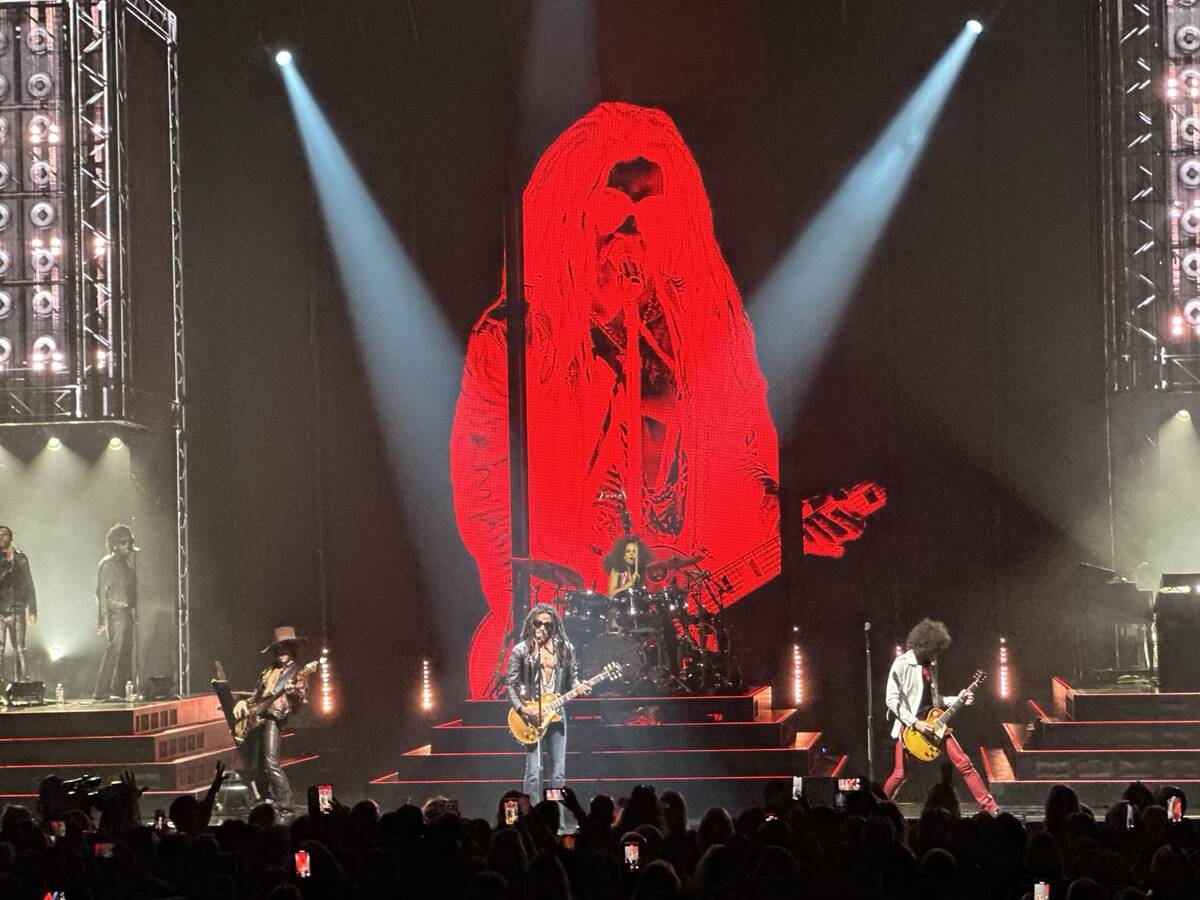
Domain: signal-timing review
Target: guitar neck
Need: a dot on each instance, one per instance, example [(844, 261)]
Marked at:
[(760, 565), (958, 702), (574, 692)]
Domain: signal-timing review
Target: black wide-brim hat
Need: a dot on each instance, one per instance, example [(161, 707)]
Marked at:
[(284, 634)]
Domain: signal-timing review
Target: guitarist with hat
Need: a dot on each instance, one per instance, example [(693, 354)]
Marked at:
[(542, 662), (282, 689), (912, 689)]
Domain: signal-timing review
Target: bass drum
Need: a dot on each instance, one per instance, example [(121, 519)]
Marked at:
[(626, 650)]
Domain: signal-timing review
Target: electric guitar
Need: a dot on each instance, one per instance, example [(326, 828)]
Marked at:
[(240, 722), (528, 732), (828, 524), (928, 747)]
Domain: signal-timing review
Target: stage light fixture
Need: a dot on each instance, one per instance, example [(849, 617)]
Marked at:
[(1003, 683), (1190, 265), (115, 443), (426, 686), (39, 86), (797, 669), (42, 215), (43, 261), (1189, 129), (326, 684), (43, 306), (1191, 311), (283, 58), (54, 445), (1189, 172), (1187, 38), (44, 348), (1177, 326), (41, 174), (38, 39), (6, 349), (1183, 415), (1190, 221), (975, 26), (56, 652)]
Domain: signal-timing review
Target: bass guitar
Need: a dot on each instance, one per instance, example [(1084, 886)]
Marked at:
[(245, 718), (928, 747), (528, 732)]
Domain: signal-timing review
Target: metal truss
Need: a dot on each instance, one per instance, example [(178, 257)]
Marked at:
[(1149, 119), (1135, 245), (161, 21), (97, 386)]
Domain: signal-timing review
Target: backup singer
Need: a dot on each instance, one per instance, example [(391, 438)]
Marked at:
[(542, 662), (912, 690), (279, 680), (116, 613), (626, 564), (18, 600)]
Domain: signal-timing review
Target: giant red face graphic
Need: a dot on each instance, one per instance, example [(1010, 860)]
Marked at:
[(644, 401)]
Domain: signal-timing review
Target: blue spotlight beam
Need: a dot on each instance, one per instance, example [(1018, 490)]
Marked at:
[(800, 304), (411, 359)]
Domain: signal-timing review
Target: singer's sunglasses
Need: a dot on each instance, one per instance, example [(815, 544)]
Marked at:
[(548, 624)]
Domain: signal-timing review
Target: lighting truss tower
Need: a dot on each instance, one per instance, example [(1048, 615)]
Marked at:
[(91, 300), (1149, 120)]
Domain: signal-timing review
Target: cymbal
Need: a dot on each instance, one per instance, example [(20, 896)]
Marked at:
[(659, 568), (564, 576)]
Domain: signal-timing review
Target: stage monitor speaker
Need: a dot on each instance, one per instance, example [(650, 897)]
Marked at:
[(159, 687), (1177, 622), (25, 693)]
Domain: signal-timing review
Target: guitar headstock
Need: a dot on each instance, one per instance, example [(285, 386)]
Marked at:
[(612, 670), (219, 675), (980, 677)]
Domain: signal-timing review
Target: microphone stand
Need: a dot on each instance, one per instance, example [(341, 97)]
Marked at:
[(135, 656), (870, 706)]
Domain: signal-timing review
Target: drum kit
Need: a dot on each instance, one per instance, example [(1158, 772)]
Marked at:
[(667, 637)]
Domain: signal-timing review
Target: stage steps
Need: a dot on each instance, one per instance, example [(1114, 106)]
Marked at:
[(717, 751), (170, 746), (1097, 741)]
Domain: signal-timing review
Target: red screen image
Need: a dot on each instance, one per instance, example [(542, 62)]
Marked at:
[(670, 429)]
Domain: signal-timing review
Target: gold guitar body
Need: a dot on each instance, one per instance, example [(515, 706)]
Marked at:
[(525, 731), (926, 747)]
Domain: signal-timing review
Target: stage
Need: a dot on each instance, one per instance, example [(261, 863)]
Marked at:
[(170, 746), (1097, 740), (716, 751)]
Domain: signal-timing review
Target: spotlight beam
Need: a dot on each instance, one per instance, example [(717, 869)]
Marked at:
[(411, 358), (800, 304)]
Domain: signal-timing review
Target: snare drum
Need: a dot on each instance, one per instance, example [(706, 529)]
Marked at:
[(634, 608)]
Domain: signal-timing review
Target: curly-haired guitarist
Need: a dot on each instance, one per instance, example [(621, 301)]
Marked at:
[(911, 690), (542, 662)]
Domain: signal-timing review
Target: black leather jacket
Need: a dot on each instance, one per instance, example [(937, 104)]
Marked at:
[(522, 679), (116, 587), (16, 584)]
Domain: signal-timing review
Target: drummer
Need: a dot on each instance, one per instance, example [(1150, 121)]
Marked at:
[(626, 564)]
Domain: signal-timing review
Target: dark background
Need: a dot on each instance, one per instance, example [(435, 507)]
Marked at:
[(967, 375)]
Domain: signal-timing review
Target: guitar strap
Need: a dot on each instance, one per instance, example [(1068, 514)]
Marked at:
[(281, 684)]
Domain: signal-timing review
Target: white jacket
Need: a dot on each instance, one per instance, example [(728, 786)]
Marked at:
[(903, 696)]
